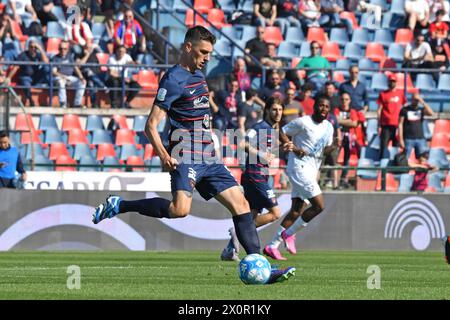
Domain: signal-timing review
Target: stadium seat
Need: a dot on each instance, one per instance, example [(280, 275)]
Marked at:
[(434, 181), (353, 52), (30, 148), (135, 161), (396, 51), (379, 82), (228, 6), (27, 137), (24, 122), (246, 6), (58, 149), (438, 158), (288, 50), (42, 163), (231, 32), (273, 35), (361, 37), (350, 16), (47, 121), (147, 80), (139, 123), (52, 45), (295, 35), (375, 52), (176, 35), (425, 82), (338, 77), (331, 51), (55, 30), (392, 21), (398, 7), (192, 19), (180, 6), (105, 150), (65, 159), (217, 18), (128, 150), (59, 12), (18, 34), (340, 36), (441, 140), (70, 121), (124, 136), (94, 122), (149, 152), (121, 120), (80, 150), (406, 182), (366, 174), (371, 154), (223, 48), (317, 34), (86, 160), (426, 130), (444, 82), (203, 6), (401, 82), (366, 63), (53, 135), (442, 126), (343, 65), (237, 174), (404, 36), (98, 30), (110, 161), (305, 49), (77, 136), (246, 32), (384, 37), (103, 58), (101, 136)]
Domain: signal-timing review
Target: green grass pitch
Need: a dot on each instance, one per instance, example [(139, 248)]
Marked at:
[(201, 275)]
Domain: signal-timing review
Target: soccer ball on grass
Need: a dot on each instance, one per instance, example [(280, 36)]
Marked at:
[(254, 269)]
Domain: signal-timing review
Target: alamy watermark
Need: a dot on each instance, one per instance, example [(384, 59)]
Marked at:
[(374, 280), (74, 278)]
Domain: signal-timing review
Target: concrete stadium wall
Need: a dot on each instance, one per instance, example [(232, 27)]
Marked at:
[(61, 220)]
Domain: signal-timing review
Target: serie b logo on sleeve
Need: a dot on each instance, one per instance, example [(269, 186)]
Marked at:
[(161, 94)]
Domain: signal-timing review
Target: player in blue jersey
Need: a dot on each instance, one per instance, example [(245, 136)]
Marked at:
[(260, 146), (183, 96)]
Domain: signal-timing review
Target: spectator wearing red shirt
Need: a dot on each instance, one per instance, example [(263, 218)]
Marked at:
[(348, 120), (305, 99), (438, 29), (128, 32), (390, 103)]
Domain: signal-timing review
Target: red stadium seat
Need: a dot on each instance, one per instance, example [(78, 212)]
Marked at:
[(295, 62), (135, 161), (230, 161), (52, 45), (124, 136), (15, 26), (203, 6), (199, 20), (441, 140), (237, 174), (404, 36), (121, 120), (391, 183), (77, 136), (217, 18), (24, 122), (149, 152), (103, 59), (447, 181), (375, 52), (330, 51), (65, 159), (317, 34), (58, 149), (350, 16), (70, 121), (401, 82), (28, 137), (338, 77), (273, 35), (147, 79), (442, 126), (388, 63), (105, 150)]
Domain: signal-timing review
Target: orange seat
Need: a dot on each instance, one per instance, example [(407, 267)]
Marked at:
[(203, 6), (77, 136), (105, 150), (135, 161), (237, 174), (103, 59), (65, 159), (447, 181), (24, 122), (70, 121), (149, 151), (124, 136), (317, 34), (58, 149), (53, 45), (391, 183), (147, 79), (331, 51), (273, 35), (27, 137), (199, 20), (295, 62), (217, 18), (441, 140), (401, 82), (388, 63), (338, 77), (350, 16), (442, 126), (375, 52), (404, 36), (15, 26), (121, 120)]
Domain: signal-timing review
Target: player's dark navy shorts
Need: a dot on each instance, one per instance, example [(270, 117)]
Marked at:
[(258, 194), (208, 179)]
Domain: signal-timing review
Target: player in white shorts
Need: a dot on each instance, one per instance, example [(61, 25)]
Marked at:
[(311, 137)]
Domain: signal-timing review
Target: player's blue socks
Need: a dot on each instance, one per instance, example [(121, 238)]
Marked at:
[(246, 232), (154, 207)]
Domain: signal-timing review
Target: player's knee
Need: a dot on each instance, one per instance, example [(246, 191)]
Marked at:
[(275, 213), (179, 212)]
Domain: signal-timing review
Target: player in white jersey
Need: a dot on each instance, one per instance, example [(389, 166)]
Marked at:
[(311, 137)]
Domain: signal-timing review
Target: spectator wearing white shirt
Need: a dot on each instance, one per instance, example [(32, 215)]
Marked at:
[(418, 55), (115, 78), (21, 10), (435, 6), (418, 12)]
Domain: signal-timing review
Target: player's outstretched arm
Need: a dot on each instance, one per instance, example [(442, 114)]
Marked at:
[(151, 131)]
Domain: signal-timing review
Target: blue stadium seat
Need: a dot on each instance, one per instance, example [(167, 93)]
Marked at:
[(236, 51), (294, 35), (94, 122), (41, 159), (288, 50), (435, 181), (373, 106), (179, 5), (365, 63), (227, 6), (130, 150), (370, 153), (81, 150), (47, 121), (426, 130), (396, 52), (246, 6), (101, 136), (392, 21), (176, 35), (231, 32), (343, 65), (59, 13), (353, 52), (139, 123), (53, 135), (246, 32), (425, 82), (366, 173), (382, 3), (444, 82), (361, 37), (88, 160), (38, 151), (111, 161), (340, 36), (379, 82), (398, 7), (155, 161), (222, 48), (168, 19), (392, 152), (438, 158), (305, 50), (384, 37), (98, 30), (54, 30), (406, 182), (217, 66)]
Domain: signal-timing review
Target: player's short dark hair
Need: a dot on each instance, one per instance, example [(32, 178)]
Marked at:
[(440, 12), (319, 98), (3, 134), (199, 33)]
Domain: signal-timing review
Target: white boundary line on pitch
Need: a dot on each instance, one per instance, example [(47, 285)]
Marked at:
[(94, 267)]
